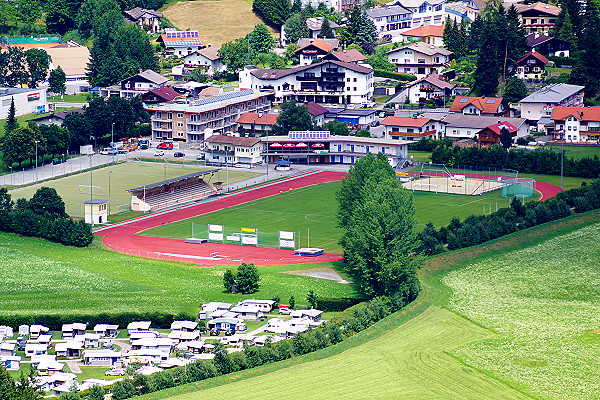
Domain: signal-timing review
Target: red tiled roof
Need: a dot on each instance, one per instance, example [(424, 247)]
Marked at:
[(538, 6), (350, 55), (258, 118), (581, 113), (319, 44), (482, 103), (405, 121), (167, 93), (497, 128), (534, 54), (233, 140), (425, 30), (435, 80), (315, 109)]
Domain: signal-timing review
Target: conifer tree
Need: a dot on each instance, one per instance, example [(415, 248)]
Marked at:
[(326, 31), (488, 69), (11, 121), (587, 69)]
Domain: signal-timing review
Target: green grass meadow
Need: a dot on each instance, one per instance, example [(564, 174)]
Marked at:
[(123, 176), (578, 152), (315, 208), (40, 277), (509, 320)]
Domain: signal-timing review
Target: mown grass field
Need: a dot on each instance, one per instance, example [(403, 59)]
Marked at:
[(218, 21), (429, 351), (123, 176), (315, 207), (40, 277), (578, 152)]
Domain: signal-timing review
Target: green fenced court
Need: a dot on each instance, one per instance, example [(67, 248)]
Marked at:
[(116, 179)]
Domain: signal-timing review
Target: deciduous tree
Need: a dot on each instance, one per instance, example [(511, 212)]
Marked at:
[(247, 278), (57, 81), (260, 39), (292, 117), (38, 62), (515, 90)]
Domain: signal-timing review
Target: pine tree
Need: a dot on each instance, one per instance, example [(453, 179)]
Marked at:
[(567, 32), (505, 138), (515, 38), (515, 90), (587, 69), (260, 39), (488, 69), (11, 121), (326, 31), (296, 7)]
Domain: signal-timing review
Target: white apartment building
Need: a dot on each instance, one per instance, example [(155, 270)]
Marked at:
[(390, 20), (189, 122), (232, 150), (420, 59), (540, 103), (332, 82), (424, 12), (576, 124)]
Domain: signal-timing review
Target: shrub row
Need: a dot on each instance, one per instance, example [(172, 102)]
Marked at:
[(55, 322), (539, 161), (394, 75), (479, 229), (336, 303), (353, 320)]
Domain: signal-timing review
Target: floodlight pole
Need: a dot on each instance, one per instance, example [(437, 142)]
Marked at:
[(109, 174), (91, 191), (267, 154), (562, 155), (112, 140), (36, 160)]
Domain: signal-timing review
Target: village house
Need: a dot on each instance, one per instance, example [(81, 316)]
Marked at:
[(135, 85), (314, 50), (548, 46), (424, 12), (148, 20), (317, 112), (484, 106), (89, 340), (428, 87), (248, 313), (232, 150), (69, 349), (101, 357), (420, 59), (161, 94), (459, 10), (490, 135), (332, 82), (409, 128), (191, 121), (106, 330), (207, 59), (576, 124), (69, 331), (540, 103), (11, 363), (355, 118), (256, 123), (314, 25), (429, 34), (184, 326), (180, 43), (55, 118), (390, 20), (208, 308), (138, 326), (532, 66), (537, 17), (461, 126), (73, 59)]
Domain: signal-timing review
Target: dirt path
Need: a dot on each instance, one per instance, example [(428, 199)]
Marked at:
[(321, 273)]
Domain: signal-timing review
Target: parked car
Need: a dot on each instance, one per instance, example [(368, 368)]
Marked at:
[(200, 157), (115, 372), (57, 160), (165, 146), (159, 153), (112, 152), (122, 151), (104, 151), (178, 154)]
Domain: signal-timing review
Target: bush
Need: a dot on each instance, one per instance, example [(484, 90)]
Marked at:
[(334, 304), (394, 75)]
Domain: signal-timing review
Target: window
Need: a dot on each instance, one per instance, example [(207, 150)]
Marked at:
[(354, 79), (347, 79), (179, 115)]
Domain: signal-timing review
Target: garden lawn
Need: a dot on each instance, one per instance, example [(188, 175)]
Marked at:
[(40, 277), (418, 353), (124, 176), (315, 207)]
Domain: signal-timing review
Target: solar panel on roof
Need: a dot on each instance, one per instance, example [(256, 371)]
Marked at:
[(226, 96), (490, 101), (463, 100)]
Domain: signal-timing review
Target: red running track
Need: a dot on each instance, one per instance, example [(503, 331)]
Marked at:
[(122, 236)]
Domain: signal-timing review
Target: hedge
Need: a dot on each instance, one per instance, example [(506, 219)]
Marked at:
[(394, 75), (336, 303), (55, 322)]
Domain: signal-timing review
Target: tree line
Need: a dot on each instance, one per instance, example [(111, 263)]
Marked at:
[(96, 124), (19, 67), (538, 161), (475, 230), (43, 216)]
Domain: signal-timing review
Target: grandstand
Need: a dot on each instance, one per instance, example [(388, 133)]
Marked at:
[(173, 192)]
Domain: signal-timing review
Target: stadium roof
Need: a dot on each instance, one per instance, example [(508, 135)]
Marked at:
[(173, 180)]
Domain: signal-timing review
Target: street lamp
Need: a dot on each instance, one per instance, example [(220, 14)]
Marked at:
[(36, 160), (11, 176)]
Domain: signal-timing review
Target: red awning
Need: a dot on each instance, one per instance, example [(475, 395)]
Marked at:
[(275, 145), (301, 145), (317, 145), (288, 145)]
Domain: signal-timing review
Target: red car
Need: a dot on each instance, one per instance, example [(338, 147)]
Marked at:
[(165, 146)]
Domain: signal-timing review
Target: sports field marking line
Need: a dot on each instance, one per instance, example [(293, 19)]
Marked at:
[(195, 203), (188, 256)]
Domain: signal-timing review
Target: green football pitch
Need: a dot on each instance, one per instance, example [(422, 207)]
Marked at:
[(122, 177), (311, 213)]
